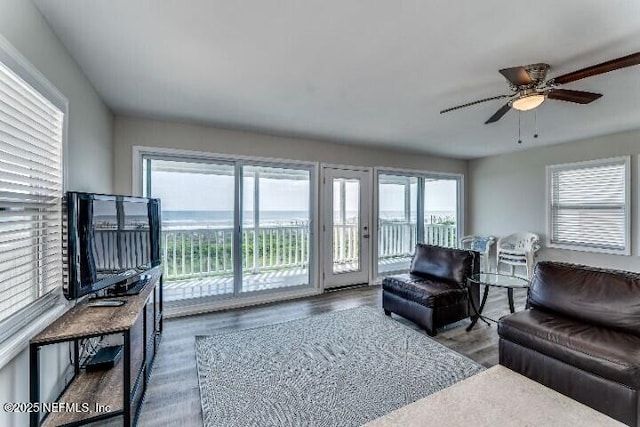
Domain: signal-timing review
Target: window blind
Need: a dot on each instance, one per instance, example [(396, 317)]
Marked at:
[(31, 135), (589, 205)]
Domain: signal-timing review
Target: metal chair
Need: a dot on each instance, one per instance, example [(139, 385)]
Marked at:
[(518, 250), (480, 244)]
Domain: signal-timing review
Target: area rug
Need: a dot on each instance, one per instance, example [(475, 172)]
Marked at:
[(337, 369)]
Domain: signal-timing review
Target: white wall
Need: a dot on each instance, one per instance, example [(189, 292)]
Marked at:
[(506, 193), (131, 131), (90, 147), (90, 164)]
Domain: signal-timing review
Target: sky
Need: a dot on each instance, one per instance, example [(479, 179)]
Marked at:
[(186, 191), (198, 191)]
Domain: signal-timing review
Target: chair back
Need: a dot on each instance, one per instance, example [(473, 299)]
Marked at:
[(481, 244), (522, 242), (518, 249), (445, 264)]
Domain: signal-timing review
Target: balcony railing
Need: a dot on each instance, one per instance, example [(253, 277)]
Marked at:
[(190, 253), (398, 239), (203, 252)]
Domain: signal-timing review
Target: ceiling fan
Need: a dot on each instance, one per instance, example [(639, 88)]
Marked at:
[(529, 88)]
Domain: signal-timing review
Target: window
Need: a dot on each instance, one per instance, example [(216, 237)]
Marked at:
[(589, 206), (415, 208), (243, 228), (31, 184)]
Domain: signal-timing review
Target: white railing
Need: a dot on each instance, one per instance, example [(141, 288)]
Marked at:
[(203, 252), (441, 235), (398, 239), (346, 243), (191, 253)]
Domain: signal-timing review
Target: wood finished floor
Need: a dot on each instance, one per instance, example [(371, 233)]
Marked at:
[(173, 396)]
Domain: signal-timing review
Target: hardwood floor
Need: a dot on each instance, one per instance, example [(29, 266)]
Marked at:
[(173, 396)]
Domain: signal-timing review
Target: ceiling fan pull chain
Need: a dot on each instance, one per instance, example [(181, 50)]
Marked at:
[(519, 127), (535, 123)]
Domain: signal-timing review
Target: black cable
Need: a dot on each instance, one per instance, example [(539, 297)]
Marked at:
[(88, 348)]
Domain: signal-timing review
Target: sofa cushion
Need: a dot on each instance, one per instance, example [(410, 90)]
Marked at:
[(614, 355), (424, 291), (602, 297), (444, 264)]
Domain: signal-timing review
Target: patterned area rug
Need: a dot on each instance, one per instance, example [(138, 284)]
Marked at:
[(338, 369)]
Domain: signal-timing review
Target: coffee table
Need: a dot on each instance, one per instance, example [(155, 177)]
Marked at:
[(495, 397), (497, 280)]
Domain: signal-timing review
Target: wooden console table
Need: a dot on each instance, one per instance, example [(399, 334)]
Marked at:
[(121, 388)]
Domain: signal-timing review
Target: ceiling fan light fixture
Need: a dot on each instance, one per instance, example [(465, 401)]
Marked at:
[(528, 102)]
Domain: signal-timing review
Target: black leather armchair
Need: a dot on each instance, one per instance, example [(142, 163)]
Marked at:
[(581, 337), (435, 292)]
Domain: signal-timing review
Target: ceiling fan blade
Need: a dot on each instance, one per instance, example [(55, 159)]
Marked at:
[(518, 76), (475, 102), (576, 96), (498, 114), (594, 70)]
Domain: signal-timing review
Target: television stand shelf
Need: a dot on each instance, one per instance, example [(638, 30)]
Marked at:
[(118, 391)]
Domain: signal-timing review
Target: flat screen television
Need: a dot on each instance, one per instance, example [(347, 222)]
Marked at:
[(111, 241)]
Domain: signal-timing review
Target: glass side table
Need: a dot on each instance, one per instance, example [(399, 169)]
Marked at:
[(497, 280)]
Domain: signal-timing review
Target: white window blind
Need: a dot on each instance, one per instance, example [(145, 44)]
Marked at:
[(589, 205), (31, 139)]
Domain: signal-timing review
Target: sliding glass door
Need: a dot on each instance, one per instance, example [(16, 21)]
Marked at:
[(197, 228), (276, 218), (414, 208), (441, 212), (231, 227), (397, 221)]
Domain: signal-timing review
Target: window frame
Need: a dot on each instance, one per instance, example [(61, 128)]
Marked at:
[(20, 327), (420, 174), (140, 153), (550, 169)]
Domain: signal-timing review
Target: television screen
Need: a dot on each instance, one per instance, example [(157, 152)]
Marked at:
[(110, 240)]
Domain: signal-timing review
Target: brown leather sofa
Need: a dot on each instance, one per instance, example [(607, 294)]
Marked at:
[(434, 293), (581, 337)]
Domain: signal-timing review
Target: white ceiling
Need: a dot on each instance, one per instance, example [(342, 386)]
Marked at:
[(355, 71)]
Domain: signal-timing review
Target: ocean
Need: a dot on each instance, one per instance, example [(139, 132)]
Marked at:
[(225, 217), (285, 217)]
